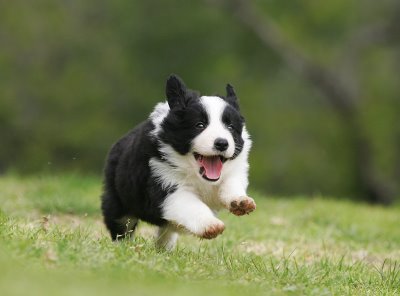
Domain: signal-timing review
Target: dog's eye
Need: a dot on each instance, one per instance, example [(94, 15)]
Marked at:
[(200, 125), (230, 127)]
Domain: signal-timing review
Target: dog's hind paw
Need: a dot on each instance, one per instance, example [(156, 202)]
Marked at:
[(213, 231), (242, 205)]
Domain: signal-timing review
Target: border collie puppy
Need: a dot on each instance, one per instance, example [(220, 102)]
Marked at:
[(179, 167)]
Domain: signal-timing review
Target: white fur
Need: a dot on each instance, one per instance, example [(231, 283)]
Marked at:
[(204, 143), (184, 209), (195, 202), (167, 237), (157, 116), (235, 181)]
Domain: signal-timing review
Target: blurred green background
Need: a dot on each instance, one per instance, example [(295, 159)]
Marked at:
[(318, 83)]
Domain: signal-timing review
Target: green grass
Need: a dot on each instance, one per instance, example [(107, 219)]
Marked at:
[(52, 242)]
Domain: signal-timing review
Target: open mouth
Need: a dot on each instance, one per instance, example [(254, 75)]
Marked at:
[(210, 166)]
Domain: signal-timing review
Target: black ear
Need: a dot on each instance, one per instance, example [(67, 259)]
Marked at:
[(175, 91), (231, 97)]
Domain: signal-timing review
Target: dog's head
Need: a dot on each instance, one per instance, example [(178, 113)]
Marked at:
[(206, 130)]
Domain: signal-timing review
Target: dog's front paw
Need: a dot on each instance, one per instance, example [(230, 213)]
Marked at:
[(242, 205), (213, 230), (208, 228)]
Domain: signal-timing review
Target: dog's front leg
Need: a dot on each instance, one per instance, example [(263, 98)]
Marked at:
[(233, 196), (185, 210)]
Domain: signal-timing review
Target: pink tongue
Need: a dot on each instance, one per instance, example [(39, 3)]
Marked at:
[(212, 166)]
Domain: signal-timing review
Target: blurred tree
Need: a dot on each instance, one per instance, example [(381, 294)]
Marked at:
[(340, 87), (76, 75)]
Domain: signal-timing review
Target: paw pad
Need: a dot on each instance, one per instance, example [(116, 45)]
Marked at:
[(243, 206), (213, 231)]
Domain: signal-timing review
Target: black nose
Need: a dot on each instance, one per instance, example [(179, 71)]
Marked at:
[(221, 144)]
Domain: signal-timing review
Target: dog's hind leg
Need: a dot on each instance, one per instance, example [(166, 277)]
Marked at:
[(121, 228), (118, 223), (167, 237), (128, 224)]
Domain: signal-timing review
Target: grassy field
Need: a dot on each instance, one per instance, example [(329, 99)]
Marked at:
[(52, 242)]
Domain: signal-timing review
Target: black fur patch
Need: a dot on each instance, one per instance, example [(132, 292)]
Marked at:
[(129, 188), (179, 128), (231, 97), (234, 122)]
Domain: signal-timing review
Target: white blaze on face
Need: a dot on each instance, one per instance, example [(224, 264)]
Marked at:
[(204, 142)]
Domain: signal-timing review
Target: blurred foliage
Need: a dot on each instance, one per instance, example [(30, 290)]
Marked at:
[(76, 75)]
